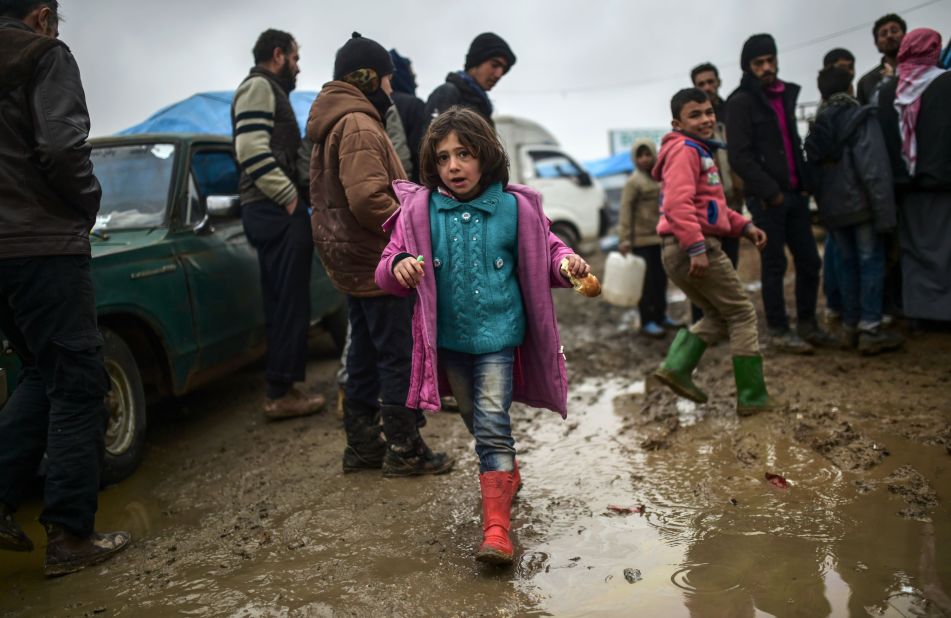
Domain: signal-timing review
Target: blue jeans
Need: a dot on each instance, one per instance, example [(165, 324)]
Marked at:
[(861, 274), (482, 384)]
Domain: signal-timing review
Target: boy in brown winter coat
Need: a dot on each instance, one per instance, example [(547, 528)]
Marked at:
[(637, 233)]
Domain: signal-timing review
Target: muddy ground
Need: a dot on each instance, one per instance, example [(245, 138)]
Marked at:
[(637, 504)]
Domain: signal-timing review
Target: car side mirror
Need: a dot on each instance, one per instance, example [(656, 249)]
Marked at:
[(584, 179), (223, 206)]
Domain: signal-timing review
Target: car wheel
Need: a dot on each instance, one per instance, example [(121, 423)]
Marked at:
[(566, 232), (336, 324), (125, 406)]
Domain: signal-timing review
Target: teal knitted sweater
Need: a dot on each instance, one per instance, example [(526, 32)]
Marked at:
[(475, 250)]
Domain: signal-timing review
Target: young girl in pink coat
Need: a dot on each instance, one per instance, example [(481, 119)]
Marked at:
[(482, 260)]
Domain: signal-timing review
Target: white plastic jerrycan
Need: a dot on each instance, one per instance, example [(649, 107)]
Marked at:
[(623, 279)]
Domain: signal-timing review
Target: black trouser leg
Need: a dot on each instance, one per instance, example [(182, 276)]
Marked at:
[(285, 255), (380, 361), (772, 220), (802, 245), (653, 304), (731, 246), (47, 309)]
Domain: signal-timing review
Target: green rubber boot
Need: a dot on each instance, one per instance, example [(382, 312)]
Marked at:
[(751, 395), (682, 357)]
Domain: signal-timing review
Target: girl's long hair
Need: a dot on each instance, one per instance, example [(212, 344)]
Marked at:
[(475, 134)]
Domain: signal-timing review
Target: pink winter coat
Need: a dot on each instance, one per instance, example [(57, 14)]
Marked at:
[(539, 378), (692, 201)]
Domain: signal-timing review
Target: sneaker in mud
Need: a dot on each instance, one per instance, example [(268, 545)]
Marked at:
[(371, 457), (877, 341), (653, 330), (12, 537), (815, 336), (789, 342), (415, 460), (67, 553)]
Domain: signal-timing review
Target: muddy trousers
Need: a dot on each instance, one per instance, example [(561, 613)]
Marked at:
[(482, 384), (727, 309), (48, 313), (730, 246), (379, 362), (285, 256)]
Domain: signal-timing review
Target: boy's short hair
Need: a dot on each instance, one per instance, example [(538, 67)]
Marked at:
[(475, 134), (833, 80), (703, 68), (834, 55), (887, 19), (687, 95)]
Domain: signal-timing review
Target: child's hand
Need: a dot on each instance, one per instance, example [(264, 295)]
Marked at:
[(408, 272), (699, 265), (577, 267), (756, 236), (624, 248)]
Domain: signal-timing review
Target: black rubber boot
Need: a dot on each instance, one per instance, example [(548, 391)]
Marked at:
[(365, 446), (407, 453)]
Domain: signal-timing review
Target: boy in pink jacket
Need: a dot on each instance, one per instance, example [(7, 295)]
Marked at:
[(694, 215)]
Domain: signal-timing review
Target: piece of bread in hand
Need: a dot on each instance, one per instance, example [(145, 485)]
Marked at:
[(586, 286)]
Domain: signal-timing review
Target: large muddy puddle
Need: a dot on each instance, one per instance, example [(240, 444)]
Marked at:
[(626, 510)]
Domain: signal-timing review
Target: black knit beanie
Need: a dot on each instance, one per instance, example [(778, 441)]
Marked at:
[(756, 46), (362, 53), (488, 45)]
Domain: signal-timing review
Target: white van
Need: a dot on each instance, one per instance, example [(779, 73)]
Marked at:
[(573, 200)]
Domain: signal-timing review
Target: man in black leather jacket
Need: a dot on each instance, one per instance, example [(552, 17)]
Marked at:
[(49, 198)]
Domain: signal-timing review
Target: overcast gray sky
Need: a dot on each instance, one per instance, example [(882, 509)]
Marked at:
[(584, 67)]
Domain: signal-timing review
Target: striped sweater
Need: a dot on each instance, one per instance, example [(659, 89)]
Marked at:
[(266, 140)]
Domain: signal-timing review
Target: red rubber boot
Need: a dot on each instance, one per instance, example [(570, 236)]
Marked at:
[(497, 491)]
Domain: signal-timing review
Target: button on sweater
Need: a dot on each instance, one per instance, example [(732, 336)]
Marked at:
[(475, 249)]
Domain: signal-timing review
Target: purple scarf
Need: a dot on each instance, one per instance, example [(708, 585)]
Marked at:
[(774, 93)]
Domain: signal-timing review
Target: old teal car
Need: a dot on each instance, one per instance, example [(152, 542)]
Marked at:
[(177, 284)]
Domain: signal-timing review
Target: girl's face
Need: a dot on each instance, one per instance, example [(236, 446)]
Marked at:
[(459, 169)]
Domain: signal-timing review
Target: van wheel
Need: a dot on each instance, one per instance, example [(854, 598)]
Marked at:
[(125, 406), (566, 232)]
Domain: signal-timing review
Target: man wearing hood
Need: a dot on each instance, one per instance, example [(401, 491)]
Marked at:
[(267, 141), (489, 58), (856, 203), (765, 152), (352, 168)]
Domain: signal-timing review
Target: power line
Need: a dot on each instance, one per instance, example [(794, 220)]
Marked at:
[(679, 75)]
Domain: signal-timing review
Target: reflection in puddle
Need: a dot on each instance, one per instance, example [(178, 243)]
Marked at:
[(716, 539)]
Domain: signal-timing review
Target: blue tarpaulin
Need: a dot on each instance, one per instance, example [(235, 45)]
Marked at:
[(210, 112), (615, 164)]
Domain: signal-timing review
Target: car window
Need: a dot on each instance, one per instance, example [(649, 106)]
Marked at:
[(216, 173), (135, 184), (552, 164), (213, 172)]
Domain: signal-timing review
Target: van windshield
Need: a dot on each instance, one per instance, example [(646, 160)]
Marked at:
[(135, 183), (553, 164)]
